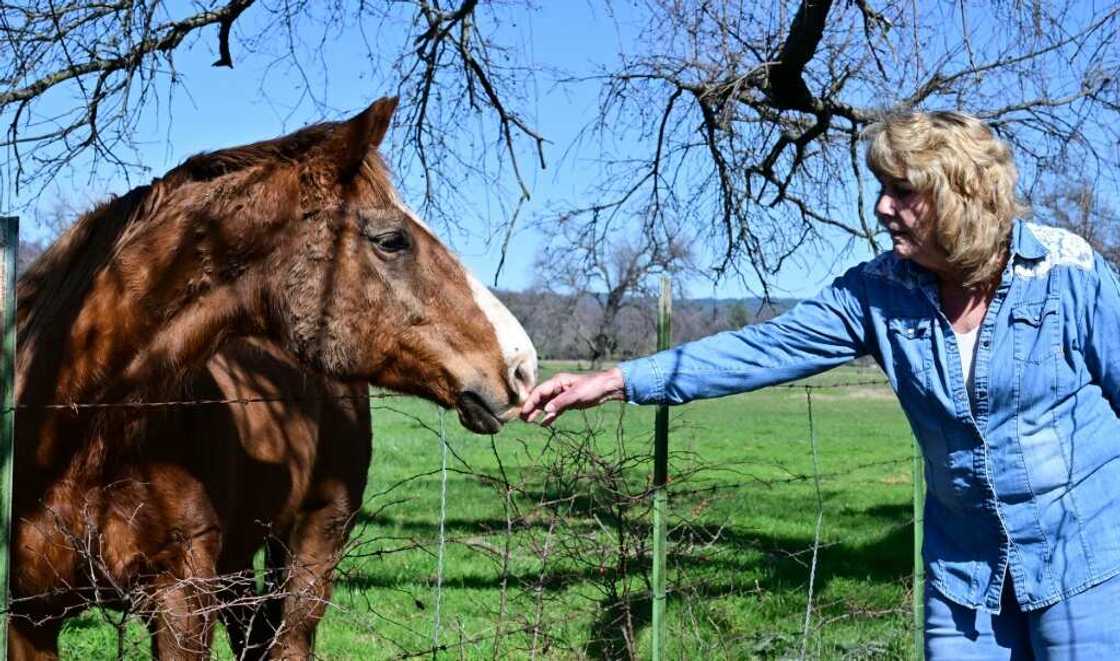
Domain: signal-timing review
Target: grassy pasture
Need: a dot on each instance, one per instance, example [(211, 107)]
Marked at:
[(564, 573)]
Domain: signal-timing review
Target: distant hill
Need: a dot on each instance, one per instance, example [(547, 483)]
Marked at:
[(778, 305), (562, 326)]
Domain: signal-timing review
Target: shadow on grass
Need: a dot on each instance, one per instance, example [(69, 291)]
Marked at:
[(780, 563), (887, 560), (782, 557), (609, 630)]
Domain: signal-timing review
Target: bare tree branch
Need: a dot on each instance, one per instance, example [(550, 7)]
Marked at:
[(780, 94), (166, 37)]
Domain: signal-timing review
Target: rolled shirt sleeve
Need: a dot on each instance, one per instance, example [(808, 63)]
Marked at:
[(817, 334)]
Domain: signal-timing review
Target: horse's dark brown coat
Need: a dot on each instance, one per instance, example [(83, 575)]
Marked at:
[(272, 242)]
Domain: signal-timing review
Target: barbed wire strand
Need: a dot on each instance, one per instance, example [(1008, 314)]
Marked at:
[(75, 406), (442, 530), (842, 384), (820, 519), (201, 402)]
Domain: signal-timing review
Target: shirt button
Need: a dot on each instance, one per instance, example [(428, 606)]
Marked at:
[(986, 343)]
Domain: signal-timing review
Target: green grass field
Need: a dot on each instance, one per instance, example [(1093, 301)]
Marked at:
[(547, 535)]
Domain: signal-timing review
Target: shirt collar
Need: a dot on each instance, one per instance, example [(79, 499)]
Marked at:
[(1024, 244)]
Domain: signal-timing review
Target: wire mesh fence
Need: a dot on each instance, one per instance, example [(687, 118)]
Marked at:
[(789, 536)]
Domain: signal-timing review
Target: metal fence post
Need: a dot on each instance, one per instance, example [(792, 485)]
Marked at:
[(660, 478), (9, 254), (919, 565)]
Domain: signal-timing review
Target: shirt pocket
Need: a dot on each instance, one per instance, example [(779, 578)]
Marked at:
[(910, 340), (1036, 337), (950, 455), (1036, 331)]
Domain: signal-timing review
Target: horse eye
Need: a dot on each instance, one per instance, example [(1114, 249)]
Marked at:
[(394, 241)]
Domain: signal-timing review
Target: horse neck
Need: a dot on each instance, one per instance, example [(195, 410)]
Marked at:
[(147, 308), (117, 311)]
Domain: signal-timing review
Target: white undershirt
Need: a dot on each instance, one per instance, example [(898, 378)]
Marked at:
[(966, 342)]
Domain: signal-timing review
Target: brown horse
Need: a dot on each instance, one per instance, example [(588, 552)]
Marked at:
[(299, 245)]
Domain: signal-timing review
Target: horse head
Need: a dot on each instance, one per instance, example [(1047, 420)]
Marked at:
[(302, 241), (359, 287)]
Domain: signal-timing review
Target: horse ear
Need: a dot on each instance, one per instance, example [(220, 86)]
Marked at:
[(364, 132)]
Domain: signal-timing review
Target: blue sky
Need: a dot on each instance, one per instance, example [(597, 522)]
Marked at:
[(219, 107)]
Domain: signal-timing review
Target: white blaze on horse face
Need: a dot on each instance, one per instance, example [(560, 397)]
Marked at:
[(517, 349), (518, 352)]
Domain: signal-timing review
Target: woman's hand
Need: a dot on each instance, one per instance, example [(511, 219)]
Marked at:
[(572, 391)]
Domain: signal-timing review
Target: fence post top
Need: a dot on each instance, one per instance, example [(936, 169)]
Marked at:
[(9, 231)]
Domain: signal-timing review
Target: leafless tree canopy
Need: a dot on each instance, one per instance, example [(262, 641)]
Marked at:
[(751, 112), (738, 120), (617, 275), (77, 78), (110, 60)]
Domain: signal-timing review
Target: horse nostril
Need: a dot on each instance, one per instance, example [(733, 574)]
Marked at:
[(523, 377)]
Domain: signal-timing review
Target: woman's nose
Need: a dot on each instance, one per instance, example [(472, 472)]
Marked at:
[(885, 206)]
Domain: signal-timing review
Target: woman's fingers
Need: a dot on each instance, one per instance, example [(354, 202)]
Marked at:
[(565, 391), (545, 391)]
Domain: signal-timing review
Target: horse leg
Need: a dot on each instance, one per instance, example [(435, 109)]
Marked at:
[(28, 640), (182, 599), (181, 620), (253, 618), (315, 549)]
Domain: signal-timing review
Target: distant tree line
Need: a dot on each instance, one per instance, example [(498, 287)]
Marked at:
[(569, 326)]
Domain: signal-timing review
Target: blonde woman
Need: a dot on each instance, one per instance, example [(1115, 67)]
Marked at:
[(1002, 340)]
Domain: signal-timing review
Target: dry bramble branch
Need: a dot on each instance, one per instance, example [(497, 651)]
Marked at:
[(567, 541)]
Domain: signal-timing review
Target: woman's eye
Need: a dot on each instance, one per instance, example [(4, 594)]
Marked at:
[(394, 241)]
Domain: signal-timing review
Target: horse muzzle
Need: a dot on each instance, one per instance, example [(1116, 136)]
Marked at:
[(477, 415)]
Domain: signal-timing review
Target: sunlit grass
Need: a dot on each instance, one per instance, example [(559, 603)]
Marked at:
[(742, 479)]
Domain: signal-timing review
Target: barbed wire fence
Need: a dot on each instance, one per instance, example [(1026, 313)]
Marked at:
[(570, 550)]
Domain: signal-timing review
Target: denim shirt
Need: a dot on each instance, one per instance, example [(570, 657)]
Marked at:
[(1024, 481)]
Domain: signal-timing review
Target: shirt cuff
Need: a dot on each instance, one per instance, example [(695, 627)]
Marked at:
[(643, 381)]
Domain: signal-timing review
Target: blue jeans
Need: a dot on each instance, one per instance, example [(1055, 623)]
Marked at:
[(1084, 627)]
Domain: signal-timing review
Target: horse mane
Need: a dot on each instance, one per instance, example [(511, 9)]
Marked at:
[(287, 149), (208, 166), (62, 275)]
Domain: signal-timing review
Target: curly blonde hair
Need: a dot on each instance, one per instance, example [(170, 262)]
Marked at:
[(969, 176)]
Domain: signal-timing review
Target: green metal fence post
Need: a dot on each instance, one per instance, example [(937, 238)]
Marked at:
[(919, 565), (9, 254), (660, 478)]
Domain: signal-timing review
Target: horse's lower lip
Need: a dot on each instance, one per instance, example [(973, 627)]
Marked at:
[(476, 415)]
